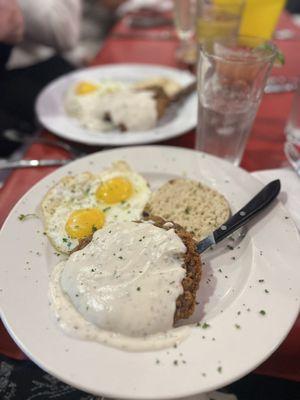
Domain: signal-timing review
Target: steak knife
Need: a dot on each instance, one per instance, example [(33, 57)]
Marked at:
[(258, 203)]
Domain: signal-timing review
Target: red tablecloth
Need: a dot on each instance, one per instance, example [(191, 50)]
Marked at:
[(264, 150)]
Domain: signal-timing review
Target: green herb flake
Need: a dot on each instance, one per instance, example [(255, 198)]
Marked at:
[(220, 369), (205, 325), (237, 326), (262, 312), (23, 217)]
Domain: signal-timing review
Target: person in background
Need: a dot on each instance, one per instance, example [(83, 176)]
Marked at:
[(57, 36), (51, 27), (54, 24), (293, 6), (11, 28)]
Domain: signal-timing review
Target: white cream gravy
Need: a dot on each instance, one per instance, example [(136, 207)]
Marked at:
[(121, 289), (135, 110)]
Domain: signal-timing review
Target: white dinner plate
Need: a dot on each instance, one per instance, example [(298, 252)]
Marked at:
[(249, 292), (179, 118)]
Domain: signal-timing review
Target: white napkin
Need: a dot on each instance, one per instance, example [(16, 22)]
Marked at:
[(134, 5), (290, 188)]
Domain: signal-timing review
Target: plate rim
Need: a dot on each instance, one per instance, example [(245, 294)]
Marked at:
[(83, 387)]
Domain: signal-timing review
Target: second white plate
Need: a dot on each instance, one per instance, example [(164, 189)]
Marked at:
[(178, 119)]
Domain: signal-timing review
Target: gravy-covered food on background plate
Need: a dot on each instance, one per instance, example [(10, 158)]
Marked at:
[(108, 105)]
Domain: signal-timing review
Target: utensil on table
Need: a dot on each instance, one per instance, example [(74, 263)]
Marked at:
[(20, 137), (286, 34), (281, 84), (163, 35), (293, 156), (10, 164), (147, 21), (258, 203)]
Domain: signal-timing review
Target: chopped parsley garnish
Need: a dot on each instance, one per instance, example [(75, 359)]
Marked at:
[(205, 325), (138, 288), (23, 217), (262, 312), (237, 326), (261, 280), (219, 370), (266, 291)]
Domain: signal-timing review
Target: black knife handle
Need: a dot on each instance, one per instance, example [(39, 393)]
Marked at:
[(257, 204)]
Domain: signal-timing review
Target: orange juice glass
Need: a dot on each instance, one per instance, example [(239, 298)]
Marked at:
[(260, 17)]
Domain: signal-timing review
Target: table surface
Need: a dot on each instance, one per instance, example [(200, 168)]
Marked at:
[(264, 151)]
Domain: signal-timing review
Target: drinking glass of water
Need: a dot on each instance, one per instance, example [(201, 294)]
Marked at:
[(292, 128), (185, 24), (232, 74)]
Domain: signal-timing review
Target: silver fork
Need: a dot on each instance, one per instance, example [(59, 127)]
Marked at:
[(15, 161), (19, 137), (293, 156)]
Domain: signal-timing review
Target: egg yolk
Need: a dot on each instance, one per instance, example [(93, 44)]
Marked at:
[(114, 190), (85, 88), (82, 223)]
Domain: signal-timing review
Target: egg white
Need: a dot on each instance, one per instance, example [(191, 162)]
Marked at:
[(78, 192), (88, 107)]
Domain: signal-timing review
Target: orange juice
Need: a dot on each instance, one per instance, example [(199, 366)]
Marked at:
[(260, 17)]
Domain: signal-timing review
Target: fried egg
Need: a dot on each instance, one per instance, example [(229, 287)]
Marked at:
[(79, 205), (82, 101)]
